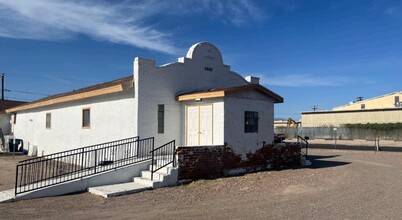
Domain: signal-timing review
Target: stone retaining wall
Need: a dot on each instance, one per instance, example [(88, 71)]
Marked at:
[(213, 161)]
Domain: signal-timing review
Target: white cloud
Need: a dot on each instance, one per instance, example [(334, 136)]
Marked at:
[(305, 80), (55, 20), (124, 22), (238, 13)]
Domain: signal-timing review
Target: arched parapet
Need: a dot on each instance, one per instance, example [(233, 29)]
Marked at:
[(205, 51), (206, 54)]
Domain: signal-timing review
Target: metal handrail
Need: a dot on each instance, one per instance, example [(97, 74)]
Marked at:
[(69, 165), (81, 148), (305, 140), (163, 155)]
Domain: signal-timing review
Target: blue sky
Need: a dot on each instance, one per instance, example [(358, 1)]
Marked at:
[(323, 53)]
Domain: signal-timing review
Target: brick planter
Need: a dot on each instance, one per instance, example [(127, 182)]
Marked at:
[(214, 161)]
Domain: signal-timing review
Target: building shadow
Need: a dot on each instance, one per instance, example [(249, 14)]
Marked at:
[(319, 161)]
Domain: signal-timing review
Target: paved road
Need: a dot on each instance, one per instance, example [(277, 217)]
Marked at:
[(351, 147)]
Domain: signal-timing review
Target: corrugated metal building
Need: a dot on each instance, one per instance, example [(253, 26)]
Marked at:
[(381, 109)]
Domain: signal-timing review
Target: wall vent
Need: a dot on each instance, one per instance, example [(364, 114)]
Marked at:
[(210, 69)]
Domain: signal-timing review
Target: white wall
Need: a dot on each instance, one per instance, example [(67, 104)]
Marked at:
[(5, 123), (112, 118), (218, 123), (159, 85), (235, 106)]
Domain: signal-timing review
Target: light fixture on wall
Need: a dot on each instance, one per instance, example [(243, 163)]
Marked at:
[(198, 99)]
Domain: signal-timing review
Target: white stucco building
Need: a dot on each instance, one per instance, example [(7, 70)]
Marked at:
[(5, 118), (197, 100)]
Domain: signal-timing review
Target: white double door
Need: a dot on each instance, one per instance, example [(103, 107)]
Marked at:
[(199, 127)]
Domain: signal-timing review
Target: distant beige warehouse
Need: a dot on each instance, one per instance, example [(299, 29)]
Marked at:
[(382, 109)]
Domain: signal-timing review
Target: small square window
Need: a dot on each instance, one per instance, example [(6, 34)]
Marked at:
[(250, 122), (363, 106), (86, 118), (48, 120)]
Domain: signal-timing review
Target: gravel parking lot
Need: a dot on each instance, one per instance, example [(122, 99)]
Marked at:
[(367, 145), (7, 170), (340, 185)]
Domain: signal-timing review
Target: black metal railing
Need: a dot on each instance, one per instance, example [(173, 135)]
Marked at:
[(304, 145), (163, 156), (73, 164)]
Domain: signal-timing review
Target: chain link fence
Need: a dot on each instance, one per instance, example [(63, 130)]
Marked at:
[(340, 133)]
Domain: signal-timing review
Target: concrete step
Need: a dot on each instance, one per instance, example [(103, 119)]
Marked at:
[(171, 171), (7, 195), (162, 160), (304, 162), (158, 176), (167, 169), (144, 181), (118, 189)]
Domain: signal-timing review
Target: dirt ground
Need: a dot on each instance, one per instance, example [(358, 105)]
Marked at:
[(340, 185), (7, 170)]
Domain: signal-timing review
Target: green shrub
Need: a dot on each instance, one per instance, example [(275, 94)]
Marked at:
[(375, 126)]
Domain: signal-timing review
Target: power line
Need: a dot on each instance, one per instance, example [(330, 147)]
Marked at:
[(280, 113), (17, 91), (57, 78), (10, 97), (26, 92)]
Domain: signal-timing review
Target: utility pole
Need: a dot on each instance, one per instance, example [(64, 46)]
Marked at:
[(314, 107), (360, 98), (2, 86)]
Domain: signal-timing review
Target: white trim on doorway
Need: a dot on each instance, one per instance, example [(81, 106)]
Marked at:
[(209, 124)]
